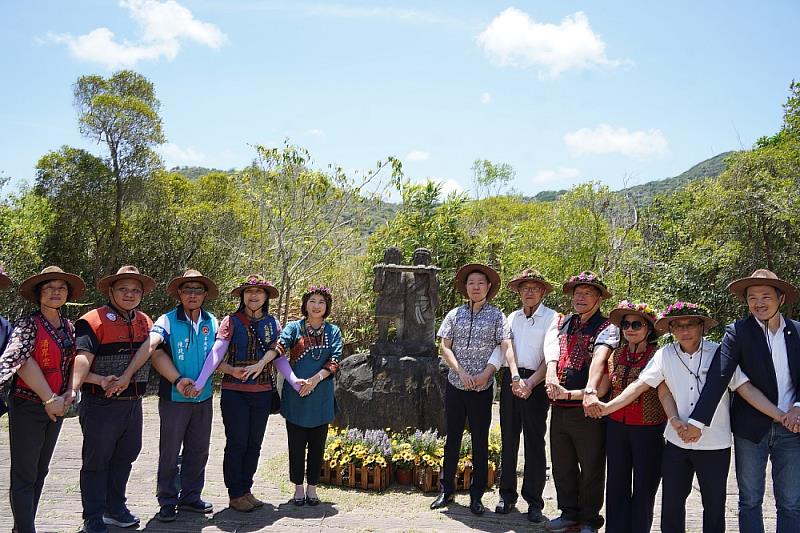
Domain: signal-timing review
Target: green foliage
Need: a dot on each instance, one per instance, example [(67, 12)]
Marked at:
[(490, 179)]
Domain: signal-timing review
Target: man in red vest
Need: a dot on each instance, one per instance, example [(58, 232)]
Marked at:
[(111, 403)]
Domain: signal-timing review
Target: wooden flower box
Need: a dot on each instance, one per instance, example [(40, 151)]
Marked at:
[(463, 479), (374, 478), (427, 479)]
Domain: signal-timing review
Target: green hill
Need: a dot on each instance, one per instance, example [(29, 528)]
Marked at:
[(645, 192)]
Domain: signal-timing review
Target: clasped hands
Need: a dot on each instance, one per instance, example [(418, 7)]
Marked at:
[(473, 382)]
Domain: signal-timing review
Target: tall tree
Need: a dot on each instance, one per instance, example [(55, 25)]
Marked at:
[(121, 112), (491, 179)]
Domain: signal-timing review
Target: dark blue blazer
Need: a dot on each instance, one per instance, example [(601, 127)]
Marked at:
[(745, 345)]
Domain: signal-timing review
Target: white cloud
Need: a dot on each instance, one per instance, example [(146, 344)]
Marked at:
[(486, 98), (559, 174), (514, 39), (174, 155), (606, 139), (162, 27), (449, 186), (417, 155)]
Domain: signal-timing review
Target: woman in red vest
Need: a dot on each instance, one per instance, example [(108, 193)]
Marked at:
[(38, 361)]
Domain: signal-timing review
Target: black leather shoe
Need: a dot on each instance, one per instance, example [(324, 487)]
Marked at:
[(504, 507), (299, 502), (441, 500), (196, 507), (312, 501), (476, 507), (535, 515), (168, 513)]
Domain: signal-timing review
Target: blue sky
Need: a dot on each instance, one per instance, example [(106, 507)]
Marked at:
[(621, 92)]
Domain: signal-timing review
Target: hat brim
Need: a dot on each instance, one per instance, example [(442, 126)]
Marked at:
[(5, 282), (569, 286), (739, 287), (491, 275), (211, 288), (516, 282), (662, 324), (616, 316), (148, 283), (76, 285), (272, 291)]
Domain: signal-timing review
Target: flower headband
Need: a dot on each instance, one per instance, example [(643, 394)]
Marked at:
[(257, 279), (2, 270), (321, 289)]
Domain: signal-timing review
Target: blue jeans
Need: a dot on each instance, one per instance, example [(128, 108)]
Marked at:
[(783, 449)]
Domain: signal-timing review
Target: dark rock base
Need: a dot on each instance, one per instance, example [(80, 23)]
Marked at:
[(394, 392)]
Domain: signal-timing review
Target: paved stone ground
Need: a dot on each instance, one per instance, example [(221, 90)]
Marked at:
[(342, 510)]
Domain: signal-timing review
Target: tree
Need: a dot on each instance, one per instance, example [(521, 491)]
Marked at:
[(490, 179), (121, 112)]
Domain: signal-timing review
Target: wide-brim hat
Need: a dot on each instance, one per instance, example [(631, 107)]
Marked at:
[(76, 285), (587, 277), (625, 308), (192, 275), (530, 274), (127, 272), (5, 281), (256, 281), (762, 276), (466, 270), (680, 310)]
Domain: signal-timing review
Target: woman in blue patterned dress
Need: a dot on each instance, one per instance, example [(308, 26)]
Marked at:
[(313, 347)]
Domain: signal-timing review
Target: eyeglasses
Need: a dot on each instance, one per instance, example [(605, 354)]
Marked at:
[(690, 325), (193, 290), (636, 325), (530, 289)]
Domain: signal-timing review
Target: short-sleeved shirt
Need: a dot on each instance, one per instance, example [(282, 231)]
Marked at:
[(534, 337), (474, 336), (678, 369)]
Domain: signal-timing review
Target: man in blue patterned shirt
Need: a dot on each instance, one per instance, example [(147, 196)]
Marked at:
[(469, 334)]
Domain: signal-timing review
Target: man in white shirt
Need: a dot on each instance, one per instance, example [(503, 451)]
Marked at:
[(523, 399), (684, 366), (766, 347)]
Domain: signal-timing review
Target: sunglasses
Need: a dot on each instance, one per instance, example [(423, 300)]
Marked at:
[(636, 325)]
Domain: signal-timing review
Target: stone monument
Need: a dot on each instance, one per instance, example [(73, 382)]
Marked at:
[(400, 382)]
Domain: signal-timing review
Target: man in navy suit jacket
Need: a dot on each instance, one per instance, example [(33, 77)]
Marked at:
[(767, 348)]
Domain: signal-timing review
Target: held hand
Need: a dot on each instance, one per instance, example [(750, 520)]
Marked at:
[(254, 370), (69, 398), (604, 410), (309, 386), (467, 380), (55, 408), (120, 385), (186, 387), (239, 373), (108, 381), (479, 381), (558, 392), (690, 433), (551, 384), (300, 383), (591, 406), (791, 420)]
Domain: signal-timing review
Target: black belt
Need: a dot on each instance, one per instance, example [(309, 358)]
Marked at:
[(525, 373)]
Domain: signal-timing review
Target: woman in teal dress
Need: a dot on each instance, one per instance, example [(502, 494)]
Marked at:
[(313, 347)]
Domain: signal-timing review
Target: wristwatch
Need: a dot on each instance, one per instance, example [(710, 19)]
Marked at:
[(588, 391), (515, 379)]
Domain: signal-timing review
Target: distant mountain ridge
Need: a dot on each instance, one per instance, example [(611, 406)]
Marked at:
[(644, 193)]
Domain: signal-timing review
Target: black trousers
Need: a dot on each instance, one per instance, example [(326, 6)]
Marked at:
[(245, 416), (528, 415), (577, 449), (184, 424), (300, 440), (112, 440), (476, 407), (634, 455), (679, 467), (32, 438)]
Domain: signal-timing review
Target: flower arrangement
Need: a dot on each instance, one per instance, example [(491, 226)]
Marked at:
[(257, 279), (418, 449), (640, 307), (343, 447), (495, 447), (681, 308), (587, 277)]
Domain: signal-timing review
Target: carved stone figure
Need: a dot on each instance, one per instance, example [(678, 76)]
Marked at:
[(390, 303), (422, 298)]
